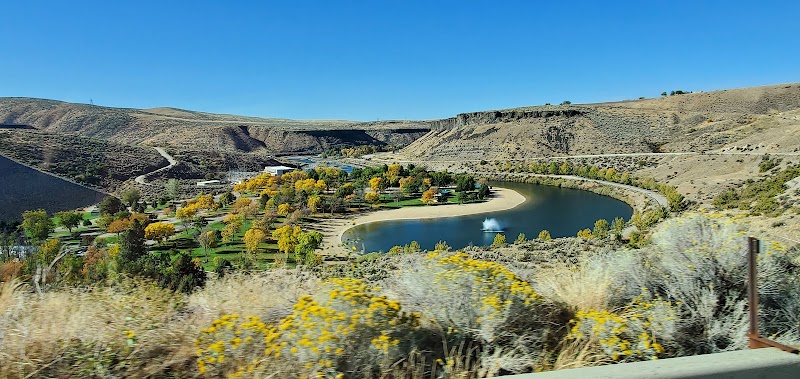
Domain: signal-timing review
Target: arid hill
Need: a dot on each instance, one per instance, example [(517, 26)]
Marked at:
[(73, 140), (759, 117), (183, 129), (686, 122)]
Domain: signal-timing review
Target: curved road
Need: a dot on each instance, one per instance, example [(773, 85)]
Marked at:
[(371, 159), (659, 198), (172, 162)]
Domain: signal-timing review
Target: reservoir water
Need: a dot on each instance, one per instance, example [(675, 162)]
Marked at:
[(561, 211)]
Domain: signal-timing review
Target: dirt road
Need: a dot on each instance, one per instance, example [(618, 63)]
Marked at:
[(172, 162)]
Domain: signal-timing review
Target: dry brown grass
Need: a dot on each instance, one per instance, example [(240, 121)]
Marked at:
[(84, 332), (80, 333), (588, 285), (573, 353)]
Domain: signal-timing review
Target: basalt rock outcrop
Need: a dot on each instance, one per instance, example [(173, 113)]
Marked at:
[(689, 122)]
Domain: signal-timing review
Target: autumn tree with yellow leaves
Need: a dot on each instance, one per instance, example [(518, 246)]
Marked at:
[(262, 182), (378, 184), (159, 231), (428, 197), (284, 209), (287, 237), (314, 203), (252, 238), (372, 198), (393, 173)]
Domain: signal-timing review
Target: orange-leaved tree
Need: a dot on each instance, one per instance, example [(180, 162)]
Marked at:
[(428, 196)]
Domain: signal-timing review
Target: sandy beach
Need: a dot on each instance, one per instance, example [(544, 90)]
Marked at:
[(332, 230)]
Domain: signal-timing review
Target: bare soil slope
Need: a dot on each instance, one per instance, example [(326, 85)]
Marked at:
[(90, 161), (688, 122), (198, 130)]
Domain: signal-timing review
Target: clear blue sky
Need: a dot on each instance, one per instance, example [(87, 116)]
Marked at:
[(367, 60)]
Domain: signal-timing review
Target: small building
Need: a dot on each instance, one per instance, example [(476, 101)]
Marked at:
[(207, 183), (278, 170)]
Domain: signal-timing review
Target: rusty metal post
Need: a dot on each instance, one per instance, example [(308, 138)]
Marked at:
[(752, 291), (756, 341)]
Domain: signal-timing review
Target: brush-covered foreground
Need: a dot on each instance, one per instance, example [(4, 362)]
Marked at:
[(535, 305)]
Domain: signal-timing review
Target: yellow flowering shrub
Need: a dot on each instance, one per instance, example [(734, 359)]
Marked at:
[(232, 344), (321, 336), (492, 287), (477, 304), (637, 332)]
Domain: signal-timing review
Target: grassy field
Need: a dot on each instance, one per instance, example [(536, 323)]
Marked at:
[(230, 251)]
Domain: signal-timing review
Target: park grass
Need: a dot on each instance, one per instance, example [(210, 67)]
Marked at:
[(403, 203), (231, 251), (389, 201)]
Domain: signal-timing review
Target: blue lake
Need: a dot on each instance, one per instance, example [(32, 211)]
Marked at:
[(561, 211)]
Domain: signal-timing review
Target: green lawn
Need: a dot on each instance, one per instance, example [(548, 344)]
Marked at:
[(230, 251), (388, 201), (111, 240), (403, 203)]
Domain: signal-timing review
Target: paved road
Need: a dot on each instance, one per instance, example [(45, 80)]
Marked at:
[(372, 159), (172, 162), (659, 198)]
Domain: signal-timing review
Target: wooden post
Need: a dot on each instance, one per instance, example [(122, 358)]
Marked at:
[(754, 338), (752, 291)]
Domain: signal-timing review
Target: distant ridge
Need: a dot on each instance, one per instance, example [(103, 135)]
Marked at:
[(182, 129), (687, 122)]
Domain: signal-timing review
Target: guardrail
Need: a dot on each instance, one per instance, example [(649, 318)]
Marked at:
[(765, 359), (743, 364)]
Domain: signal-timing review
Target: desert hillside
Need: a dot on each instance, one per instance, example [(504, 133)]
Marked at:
[(203, 131), (758, 117)]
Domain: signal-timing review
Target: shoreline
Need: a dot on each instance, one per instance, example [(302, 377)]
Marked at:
[(502, 199)]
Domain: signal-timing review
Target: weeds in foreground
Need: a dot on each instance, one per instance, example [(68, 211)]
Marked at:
[(467, 315)]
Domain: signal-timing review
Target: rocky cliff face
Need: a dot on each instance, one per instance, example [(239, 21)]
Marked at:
[(497, 117), (690, 122), (316, 141)]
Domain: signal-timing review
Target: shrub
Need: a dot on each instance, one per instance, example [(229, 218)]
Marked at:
[(637, 332), (699, 262), (763, 193), (441, 246), (347, 327), (477, 303), (544, 235), (499, 240)]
